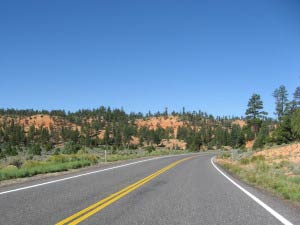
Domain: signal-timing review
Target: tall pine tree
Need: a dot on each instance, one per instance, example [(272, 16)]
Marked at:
[(254, 112), (281, 100), (296, 99)]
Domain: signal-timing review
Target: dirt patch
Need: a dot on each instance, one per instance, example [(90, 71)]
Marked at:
[(101, 134), (134, 140), (249, 144), (289, 153), (37, 121), (40, 120), (241, 123), (153, 123)]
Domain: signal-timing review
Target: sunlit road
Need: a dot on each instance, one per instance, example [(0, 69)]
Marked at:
[(161, 191)]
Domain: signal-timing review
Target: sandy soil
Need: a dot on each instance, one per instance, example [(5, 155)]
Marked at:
[(249, 144), (241, 123), (40, 120), (290, 153), (163, 122)]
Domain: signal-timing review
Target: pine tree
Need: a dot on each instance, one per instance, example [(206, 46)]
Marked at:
[(281, 100), (236, 136), (182, 133), (295, 124), (219, 137), (261, 137), (117, 137), (283, 133), (295, 104), (35, 149), (255, 113), (106, 138)]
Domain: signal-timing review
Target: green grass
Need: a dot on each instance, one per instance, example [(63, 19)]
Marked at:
[(55, 163), (245, 161), (134, 155), (270, 177), (47, 167), (65, 162), (225, 155)]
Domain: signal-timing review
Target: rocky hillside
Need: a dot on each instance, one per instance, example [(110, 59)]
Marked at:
[(117, 129), (38, 121)]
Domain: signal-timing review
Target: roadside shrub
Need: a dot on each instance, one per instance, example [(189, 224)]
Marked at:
[(251, 177), (87, 157), (277, 165), (2, 155), (291, 166), (149, 149), (283, 163), (262, 167), (12, 172), (16, 161), (114, 150), (35, 150), (48, 146), (295, 180), (244, 161), (11, 151), (272, 178), (296, 171), (233, 168), (30, 164), (258, 158), (133, 147), (225, 155), (59, 158), (10, 167), (71, 148), (56, 151), (73, 157), (82, 151), (242, 150)]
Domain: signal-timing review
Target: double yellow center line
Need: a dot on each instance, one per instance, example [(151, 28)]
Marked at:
[(98, 206)]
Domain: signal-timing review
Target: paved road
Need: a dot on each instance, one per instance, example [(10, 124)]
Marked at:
[(191, 192)]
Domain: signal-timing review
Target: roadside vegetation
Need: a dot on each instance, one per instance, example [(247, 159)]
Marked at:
[(35, 142), (280, 175), (18, 167), (274, 161)]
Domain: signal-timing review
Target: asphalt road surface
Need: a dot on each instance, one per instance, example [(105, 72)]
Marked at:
[(179, 190)]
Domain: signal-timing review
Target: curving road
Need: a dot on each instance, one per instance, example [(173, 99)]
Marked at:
[(165, 190)]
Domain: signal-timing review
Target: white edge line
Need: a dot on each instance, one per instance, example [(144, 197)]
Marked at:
[(257, 200), (89, 173)]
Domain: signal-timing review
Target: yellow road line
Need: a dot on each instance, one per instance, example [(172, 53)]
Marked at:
[(98, 206), (104, 200)]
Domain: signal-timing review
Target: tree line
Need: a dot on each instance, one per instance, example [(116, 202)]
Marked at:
[(200, 130), (117, 126), (285, 129)]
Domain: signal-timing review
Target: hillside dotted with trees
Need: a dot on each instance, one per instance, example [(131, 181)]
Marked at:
[(36, 132)]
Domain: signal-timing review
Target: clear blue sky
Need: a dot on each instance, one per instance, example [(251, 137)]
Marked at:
[(147, 55)]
